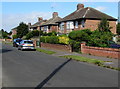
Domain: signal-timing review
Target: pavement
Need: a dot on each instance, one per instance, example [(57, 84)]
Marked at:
[(109, 61), (36, 69), (0, 65)]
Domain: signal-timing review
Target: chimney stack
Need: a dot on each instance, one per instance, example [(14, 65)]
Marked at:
[(80, 6), (40, 18), (29, 24), (55, 14)]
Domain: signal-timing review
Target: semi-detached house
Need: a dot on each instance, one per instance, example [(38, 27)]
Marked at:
[(36, 26), (84, 18), (51, 25)]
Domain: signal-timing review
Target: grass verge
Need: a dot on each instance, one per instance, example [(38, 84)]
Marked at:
[(45, 51), (89, 60)]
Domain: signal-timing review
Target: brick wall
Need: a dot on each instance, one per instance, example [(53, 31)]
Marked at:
[(99, 51), (92, 25), (56, 46), (54, 28)]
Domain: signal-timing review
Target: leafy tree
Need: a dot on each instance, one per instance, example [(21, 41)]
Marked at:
[(22, 30), (118, 28), (100, 39), (10, 33), (3, 34), (33, 33), (103, 26)]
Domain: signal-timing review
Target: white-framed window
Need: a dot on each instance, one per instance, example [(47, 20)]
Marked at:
[(83, 23), (62, 26), (70, 25), (45, 28), (76, 24)]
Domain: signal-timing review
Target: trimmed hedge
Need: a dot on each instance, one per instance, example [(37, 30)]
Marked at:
[(49, 39)]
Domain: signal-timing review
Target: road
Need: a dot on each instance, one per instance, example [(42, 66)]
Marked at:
[(36, 69)]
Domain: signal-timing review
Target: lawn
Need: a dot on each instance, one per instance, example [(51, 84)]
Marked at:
[(89, 60), (84, 59), (45, 51)]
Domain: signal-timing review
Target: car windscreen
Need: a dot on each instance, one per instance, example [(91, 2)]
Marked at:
[(18, 40), (29, 42)]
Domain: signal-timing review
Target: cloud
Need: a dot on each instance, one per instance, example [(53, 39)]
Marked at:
[(101, 8), (10, 21)]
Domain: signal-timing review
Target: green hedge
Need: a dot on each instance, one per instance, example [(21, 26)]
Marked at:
[(50, 39)]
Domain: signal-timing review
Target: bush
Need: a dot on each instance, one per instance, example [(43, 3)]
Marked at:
[(100, 39), (75, 45), (63, 40), (80, 35), (53, 33), (14, 36), (50, 39)]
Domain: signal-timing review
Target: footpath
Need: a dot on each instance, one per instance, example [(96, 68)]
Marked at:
[(0, 64), (110, 61)]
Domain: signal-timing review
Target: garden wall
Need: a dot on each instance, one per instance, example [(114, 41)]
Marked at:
[(57, 46), (99, 51)]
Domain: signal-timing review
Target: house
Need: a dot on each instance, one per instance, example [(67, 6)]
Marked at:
[(36, 26), (14, 31), (51, 25), (84, 18)]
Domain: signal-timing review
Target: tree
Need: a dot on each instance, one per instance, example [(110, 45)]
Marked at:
[(3, 34), (22, 30), (33, 33), (103, 26), (100, 39), (118, 28)]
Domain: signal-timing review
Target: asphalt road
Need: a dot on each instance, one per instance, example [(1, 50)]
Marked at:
[(35, 69)]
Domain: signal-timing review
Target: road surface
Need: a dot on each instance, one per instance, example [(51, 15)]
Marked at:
[(36, 69)]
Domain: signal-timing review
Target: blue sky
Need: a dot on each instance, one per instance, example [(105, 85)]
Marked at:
[(15, 12)]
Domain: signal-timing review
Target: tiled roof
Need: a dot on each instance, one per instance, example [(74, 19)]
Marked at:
[(14, 28), (88, 13), (52, 21), (38, 23)]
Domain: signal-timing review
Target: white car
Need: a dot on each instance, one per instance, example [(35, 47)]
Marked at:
[(26, 44)]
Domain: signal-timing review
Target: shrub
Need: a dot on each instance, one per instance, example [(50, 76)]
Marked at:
[(53, 33), (80, 35), (14, 36), (75, 45), (100, 39), (63, 40), (50, 39)]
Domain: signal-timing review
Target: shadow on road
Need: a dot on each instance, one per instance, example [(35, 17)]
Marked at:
[(52, 74), (4, 50)]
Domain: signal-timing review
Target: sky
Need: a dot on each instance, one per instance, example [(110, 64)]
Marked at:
[(15, 12)]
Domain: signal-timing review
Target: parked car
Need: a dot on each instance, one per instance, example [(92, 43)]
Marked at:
[(26, 44), (16, 42), (113, 44)]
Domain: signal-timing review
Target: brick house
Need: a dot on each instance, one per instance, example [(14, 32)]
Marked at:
[(84, 18), (51, 25), (36, 26), (14, 31)]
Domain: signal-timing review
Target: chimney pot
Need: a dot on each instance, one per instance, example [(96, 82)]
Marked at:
[(29, 24), (55, 14), (40, 18), (80, 6)]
